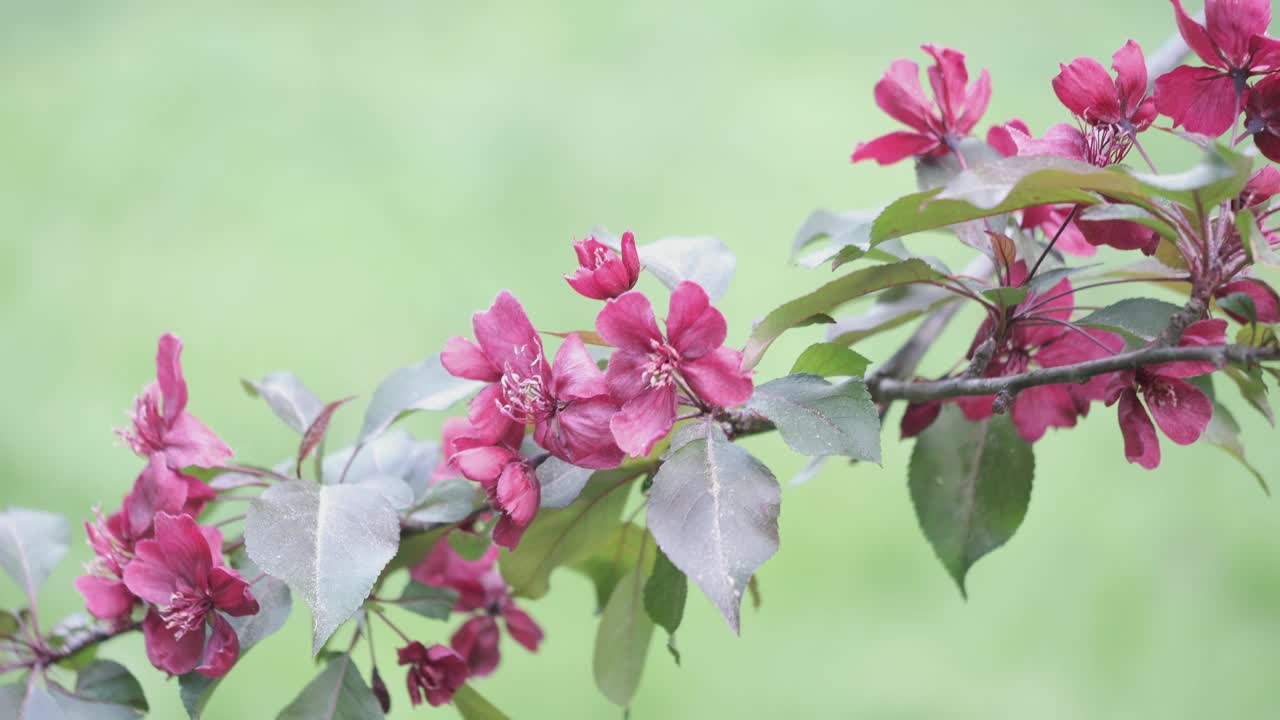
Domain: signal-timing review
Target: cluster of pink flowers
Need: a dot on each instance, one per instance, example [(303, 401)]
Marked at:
[(152, 552), (1109, 115), (584, 416)]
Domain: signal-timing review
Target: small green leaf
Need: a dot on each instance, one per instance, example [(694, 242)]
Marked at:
[(288, 398), (1224, 432), (1006, 296), (428, 600), (471, 705), (31, 544), (1256, 244), (665, 594), (110, 682), (830, 360), (1253, 389), (1220, 176), (470, 546), (1143, 319), (337, 693), (1240, 304), (446, 501), (970, 484), (622, 638), (829, 297), (817, 418), (611, 561)]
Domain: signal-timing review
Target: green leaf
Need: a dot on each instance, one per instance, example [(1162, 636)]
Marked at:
[(9, 624), (841, 228), (447, 501), (428, 601), (713, 509), (471, 546), (329, 543), (829, 297), (471, 705), (934, 172), (275, 602), (288, 398), (1224, 432), (830, 360), (1000, 187), (337, 693), (1006, 297), (817, 418), (622, 638), (51, 702), (425, 386), (1220, 176), (702, 259), (1256, 244), (561, 482), (889, 313), (1253, 389), (612, 560), (665, 594), (970, 484), (566, 536), (1142, 319), (1241, 304), (32, 542), (110, 682)]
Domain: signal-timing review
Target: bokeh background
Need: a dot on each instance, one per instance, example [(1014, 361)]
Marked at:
[(334, 188)]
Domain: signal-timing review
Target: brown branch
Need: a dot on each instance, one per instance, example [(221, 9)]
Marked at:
[(886, 390), (74, 644)]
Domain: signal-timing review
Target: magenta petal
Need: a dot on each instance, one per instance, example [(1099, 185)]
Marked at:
[(518, 493), (174, 655), (488, 423), (464, 359), (1061, 140), (580, 434), (899, 94), (718, 377), (1119, 234), (1205, 333), (504, 331), (975, 103), (1199, 99), (477, 641), (1265, 301), (1131, 77), (1196, 35), (105, 598), (694, 328), (1141, 445), (230, 592), (1231, 24), (948, 77), (919, 416), (223, 650), (625, 374), (585, 283), (627, 322), (574, 374), (189, 442), (895, 147), (1179, 408), (484, 464), (630, 257), (1086, 89), (169, 376), (1037, 409), (644, 420), (976, 407), (157, 489), (522, 627)]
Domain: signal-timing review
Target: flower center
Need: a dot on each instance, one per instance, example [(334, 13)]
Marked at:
[(602, 256), (186, 612), (1160, 395), (524, 396), (1106, 144), (660, 367)]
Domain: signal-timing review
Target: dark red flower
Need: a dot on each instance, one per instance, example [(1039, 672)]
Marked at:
[(1262, 116), (105, 594), (936, 125), (510, 482), (602, 273), (1266, 303), (181, 575), (1180, 409), (483, 593), (168, 429), (435, 673), (649, 372), (1233, 42), (567, 402), (1089, 93), (1263, 185)]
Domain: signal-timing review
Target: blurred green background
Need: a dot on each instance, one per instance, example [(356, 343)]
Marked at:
[(334, 188)]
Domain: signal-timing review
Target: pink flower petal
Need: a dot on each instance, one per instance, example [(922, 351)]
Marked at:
[(580, 435), (189, 442), (1232, 23), (172, 654), (1196, 36), (1205, 333), (919, 416), (1086, 89), (899, 94), (574, 374), (627, 322), (644, 420), (1131, 77), (484, 464), (177, 558), (464, 359), (1179, 408), (519, 493), (105, 598), (230, 592), (1265, 301), (694, 328), (975, 103), (894, 147), (169, 375), (630, 256), (477, 641), (1141, 445), (505, 333), (522, 627), (718, 378), (223, 650), (1037, 409), (1199, 99)]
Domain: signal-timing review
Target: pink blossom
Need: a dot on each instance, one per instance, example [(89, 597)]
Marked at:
[(1262, 116), (1263, 185), (1233, 42), (435, 673), (936, 125), (601, 273), (181, 575), (919, 416), (161, 424), (159, 488), (105, 594), (1180, 409), (650, 373), (567, 402), (1088, 91), (482, 592), (510, 482)]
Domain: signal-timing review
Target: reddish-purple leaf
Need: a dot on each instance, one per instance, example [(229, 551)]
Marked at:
[(315, 433)]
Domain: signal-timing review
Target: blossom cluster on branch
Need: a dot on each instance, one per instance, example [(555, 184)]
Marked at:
[(616, 452)]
